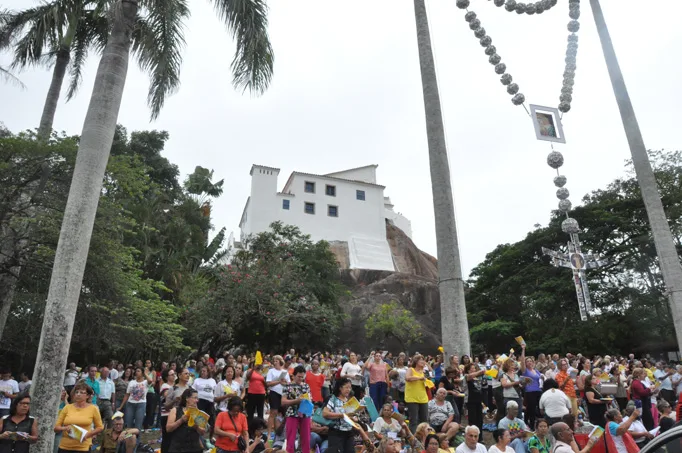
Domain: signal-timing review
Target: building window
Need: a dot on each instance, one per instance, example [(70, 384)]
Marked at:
[(285, 204), (330, 190), (332, 211), (360, 195), (309, 208), (309, 187)]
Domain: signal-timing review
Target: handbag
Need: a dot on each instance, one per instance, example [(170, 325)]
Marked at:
[(319, 418), (241, 443)]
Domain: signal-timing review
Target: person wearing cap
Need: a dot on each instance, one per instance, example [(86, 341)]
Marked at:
[(116, 439)]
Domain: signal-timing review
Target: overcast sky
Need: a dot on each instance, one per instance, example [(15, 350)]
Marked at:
[(347, 92)]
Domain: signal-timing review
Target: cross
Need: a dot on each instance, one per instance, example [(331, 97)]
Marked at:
[(578, 262)]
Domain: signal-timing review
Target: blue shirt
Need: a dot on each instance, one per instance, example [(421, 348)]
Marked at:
[(94, 385)]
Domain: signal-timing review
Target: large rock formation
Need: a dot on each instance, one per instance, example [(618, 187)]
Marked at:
[(414, 286)]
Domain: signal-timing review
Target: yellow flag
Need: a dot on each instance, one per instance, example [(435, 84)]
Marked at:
[(259, 358), (440, 349)]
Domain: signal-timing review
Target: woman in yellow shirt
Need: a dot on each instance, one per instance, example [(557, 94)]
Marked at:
[(79, 414), (415, 392)]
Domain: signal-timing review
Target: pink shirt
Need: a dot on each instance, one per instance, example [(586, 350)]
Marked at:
[(377, 373)]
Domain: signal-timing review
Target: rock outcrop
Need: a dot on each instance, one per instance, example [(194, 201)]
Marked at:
[(414, 286)]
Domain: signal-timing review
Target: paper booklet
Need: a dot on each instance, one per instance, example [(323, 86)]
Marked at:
[(596, 433), (196, 417), (520, 341), (351, 406), (17, 435), (76, 432), (350, 421)]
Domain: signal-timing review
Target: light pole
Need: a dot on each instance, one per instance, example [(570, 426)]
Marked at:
[(669, 260)]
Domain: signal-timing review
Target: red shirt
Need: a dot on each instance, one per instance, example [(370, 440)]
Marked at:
[(256, 384), (225, 423), (315, 382)]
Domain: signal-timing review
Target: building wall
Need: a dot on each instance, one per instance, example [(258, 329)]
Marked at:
[(360, 223), (400, 221), (355, 217), (366, 174)]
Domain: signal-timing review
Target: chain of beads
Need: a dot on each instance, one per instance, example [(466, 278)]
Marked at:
[(500, 68)]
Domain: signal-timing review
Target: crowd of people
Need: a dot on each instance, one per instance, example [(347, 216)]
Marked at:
[(257, 403)]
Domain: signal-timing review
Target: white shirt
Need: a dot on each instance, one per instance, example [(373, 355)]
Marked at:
[(137, 392), (555, 403), (9, 386), (562, 447), (665, 383), (276, 375), (204, 388), (464, 448), (70, 377), (352, 372), (494, 449), (106, 389), (638, 427), (223, 388), (677, 377)]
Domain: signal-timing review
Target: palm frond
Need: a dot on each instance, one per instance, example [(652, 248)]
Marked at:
[(10, 78), (92, 33), (42, 24), (158, 41), (253, 61)]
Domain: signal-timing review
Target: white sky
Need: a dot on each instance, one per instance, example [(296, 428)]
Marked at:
[(347, 92)]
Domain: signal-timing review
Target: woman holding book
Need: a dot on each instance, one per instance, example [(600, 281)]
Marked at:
[(341, 432), (293, 395), (77, 419), (185, 438), (18, 430)]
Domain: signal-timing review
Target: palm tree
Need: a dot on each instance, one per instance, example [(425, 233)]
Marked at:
[(7, 76), (669, 259), (454, 324), (158, 33), (59, 33)]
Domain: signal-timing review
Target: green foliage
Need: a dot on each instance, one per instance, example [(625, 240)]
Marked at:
[(516, 291), (119, 307), (393, 321), (282, 291)]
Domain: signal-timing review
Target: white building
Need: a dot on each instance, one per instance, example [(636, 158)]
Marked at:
[(347, 206)]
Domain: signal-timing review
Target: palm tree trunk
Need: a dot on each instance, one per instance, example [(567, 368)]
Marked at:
[(668, 258), (454, 324), (79, 218), (50, 108)]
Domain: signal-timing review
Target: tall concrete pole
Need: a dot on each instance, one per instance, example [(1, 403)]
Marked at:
[(669, 260)]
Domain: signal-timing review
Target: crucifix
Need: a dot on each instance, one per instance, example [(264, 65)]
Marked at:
[(578, 262)]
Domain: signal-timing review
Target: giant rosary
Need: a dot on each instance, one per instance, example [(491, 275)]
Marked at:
[(547, 124)]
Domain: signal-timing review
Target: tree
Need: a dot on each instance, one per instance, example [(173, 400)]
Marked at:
[(49, 34), (281, 291), (393, 321), (252, 69), (6, 75), (120, 309), (668, 256), (454, 324), (515, 291)]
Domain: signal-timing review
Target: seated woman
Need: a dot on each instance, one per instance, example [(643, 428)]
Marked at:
[(618, 439), (637, 430), (502, 440), (667, 419), (432, 444), (386, 424), (442, 414), (540, 442)]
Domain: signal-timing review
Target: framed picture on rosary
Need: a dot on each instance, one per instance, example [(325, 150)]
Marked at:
[(547, 124)]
